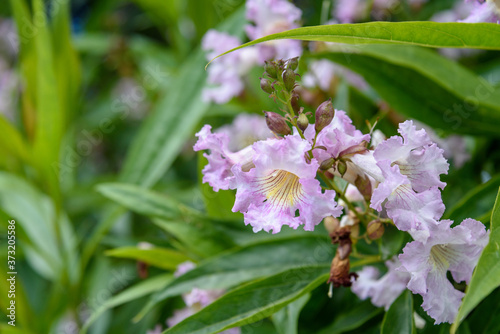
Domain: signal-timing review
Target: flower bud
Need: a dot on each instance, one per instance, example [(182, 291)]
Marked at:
[(331, 224), (289, 79), (324, 115), (293, 63), (266, 86), (364, 186), (342, 167), (294, 101), (302, 122), (327, 164), (277, 123), (375, 229), (353, 150), (271, 70)]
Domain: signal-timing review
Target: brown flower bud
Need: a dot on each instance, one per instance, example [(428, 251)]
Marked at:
[(277, 123), (302, 122), (294, 101), (364, 186), (356, 149), (324, 115), (375, 229), (289, 79), (266, 86)]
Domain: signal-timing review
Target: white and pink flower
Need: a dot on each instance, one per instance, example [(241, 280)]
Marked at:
[(281, 183), (456, 250)]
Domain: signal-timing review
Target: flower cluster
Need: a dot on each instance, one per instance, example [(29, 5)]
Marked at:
[(394, 180), (225, 76), (408, 169)]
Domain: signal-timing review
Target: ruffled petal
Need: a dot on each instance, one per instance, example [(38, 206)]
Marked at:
[(315, 204), (217, 172), (447, 249), (340, 135), (281, 183)]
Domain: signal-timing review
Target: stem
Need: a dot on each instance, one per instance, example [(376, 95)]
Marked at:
[(342, 196), (366, 260)]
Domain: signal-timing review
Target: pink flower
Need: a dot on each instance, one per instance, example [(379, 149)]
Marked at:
[(338, 136), (349, 11), (195, 300), (456, 250), (453, 146), (225, 74), (269, 17), (384, 290), (245, 130), (418, 158), (183, 268), (484, 11), (281, 183)]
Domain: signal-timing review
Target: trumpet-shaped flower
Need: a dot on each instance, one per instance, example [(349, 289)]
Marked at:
[(217, 173), (245, 130), (281, 183), (231, 144), (338, 136), (411, 211), (416, 155), (447, 249), (384, 290)]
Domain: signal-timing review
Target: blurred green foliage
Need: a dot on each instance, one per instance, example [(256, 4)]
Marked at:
[(98, 158)]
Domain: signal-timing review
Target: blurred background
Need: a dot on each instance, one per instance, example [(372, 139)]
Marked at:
[(100, 92)]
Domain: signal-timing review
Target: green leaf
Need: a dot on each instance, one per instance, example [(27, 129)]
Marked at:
[(159, 257), (198, 237), (399, 317), (392, 241), (253, 301), (175, 117), (50, 118), (486, 277), (139, 290), (448, 97), (484, 318), (286, 319), (475, 202), (66, 61), (241, 265), (8, 329), (15, 145), (429, 34), (201, 237), (143, 201), (353, 318), (34, 213), (173, 120)]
